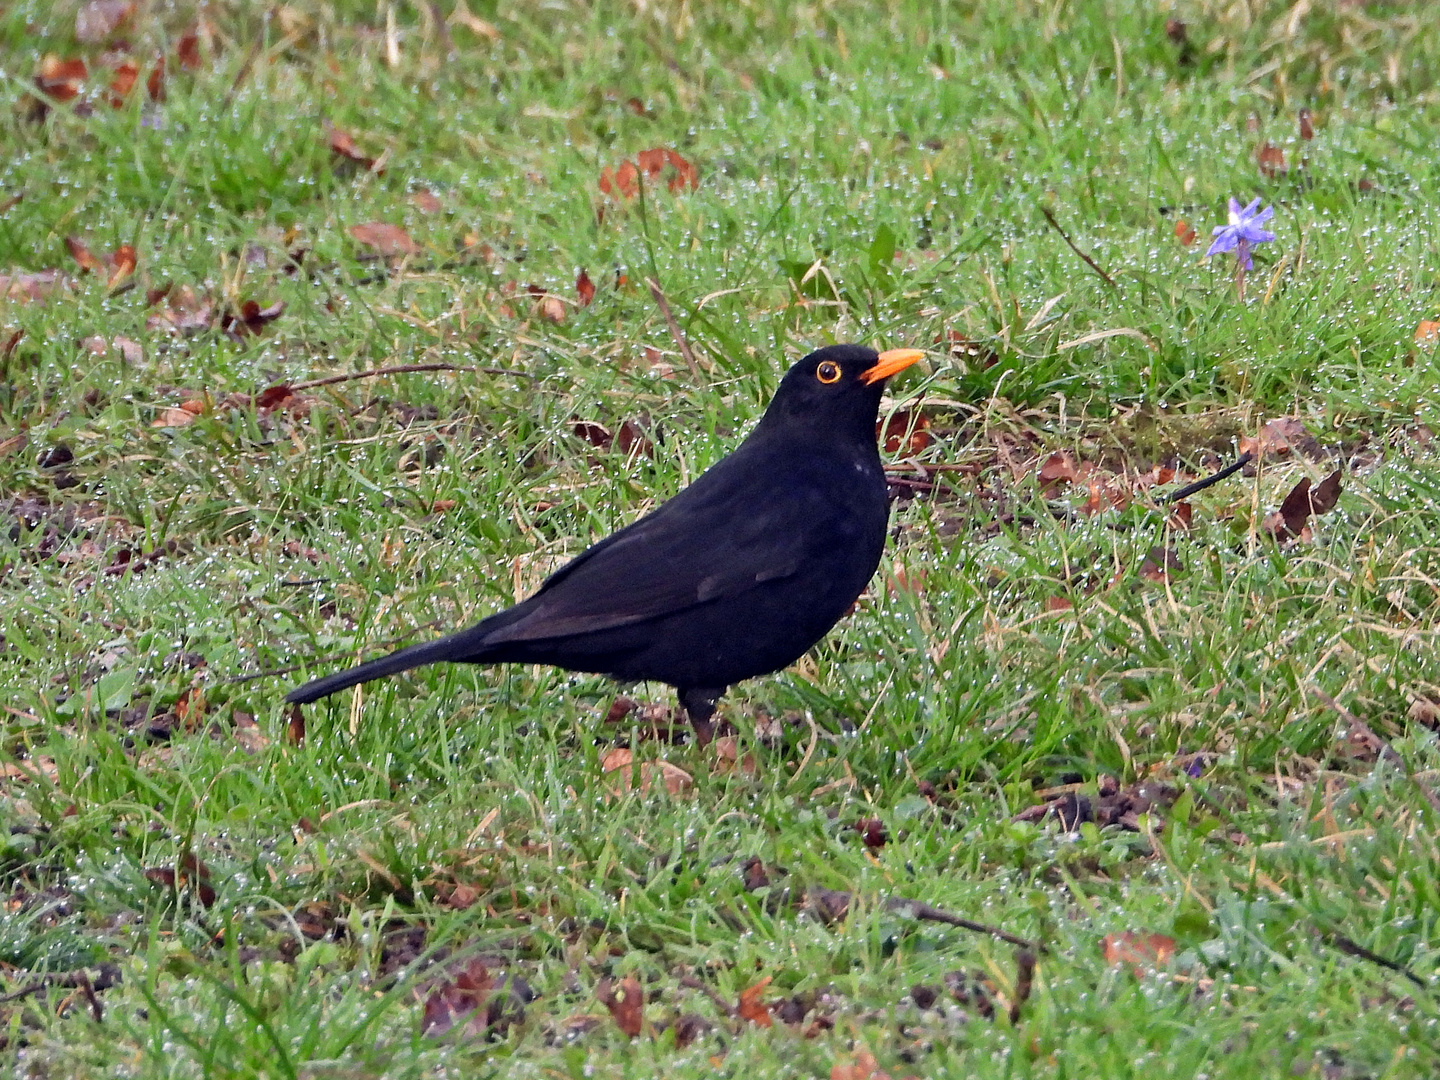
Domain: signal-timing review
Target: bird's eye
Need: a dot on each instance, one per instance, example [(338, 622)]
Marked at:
[(828, 372)]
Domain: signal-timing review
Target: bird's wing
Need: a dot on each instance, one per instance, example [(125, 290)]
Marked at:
[(695, 548)]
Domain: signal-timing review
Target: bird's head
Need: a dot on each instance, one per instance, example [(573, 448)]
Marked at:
[(836, 389)]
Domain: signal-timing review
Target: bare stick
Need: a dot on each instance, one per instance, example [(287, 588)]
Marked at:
[(405, 369), (926, 913), (675, 333), (1354, 948), (1214, 478), (1380, 746), (1066, 237)]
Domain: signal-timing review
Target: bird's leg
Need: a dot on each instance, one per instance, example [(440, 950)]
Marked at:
[(699, 705)]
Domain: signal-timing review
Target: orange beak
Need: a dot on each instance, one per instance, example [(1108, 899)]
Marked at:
[(891, 361)]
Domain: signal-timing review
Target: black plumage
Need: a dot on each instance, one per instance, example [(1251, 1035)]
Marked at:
[(736, 576)]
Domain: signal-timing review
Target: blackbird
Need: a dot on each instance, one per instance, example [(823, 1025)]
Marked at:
[(736, 576)]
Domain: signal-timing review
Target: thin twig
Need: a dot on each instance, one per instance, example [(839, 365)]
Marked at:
[(925, 913), (1066, 237), (1214, 478), (1354, 948), (108, 975), (680, 341), (405, 369), (709, 991), (250, 57), (1385, 751)]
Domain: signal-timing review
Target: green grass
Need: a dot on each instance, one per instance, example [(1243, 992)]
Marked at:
[(292, 541)]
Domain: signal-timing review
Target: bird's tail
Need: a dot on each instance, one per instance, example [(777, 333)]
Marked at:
[(467, 645)]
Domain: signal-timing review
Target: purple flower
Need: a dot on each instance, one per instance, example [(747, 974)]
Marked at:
[(1242, 231)]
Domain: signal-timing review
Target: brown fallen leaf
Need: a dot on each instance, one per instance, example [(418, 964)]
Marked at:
[(1271, 160), (624, 181), (426, 201), (904, 429), (1279, 438), (60, 79), (187, 50), (98, 19), (155, 84), (342, 145), (173, 418), (1291, 519), (387, 240), (1184, 232), (1307, 127), (728, 758), (584, 288), (27, 288), (248, 734), (551, 308), (82, 255), (1159, 565), (1140, 951), (295, 727), (1427, 333), (750, 1006), (126, 75), (462, 998), (1059, 468), (626, 1002)]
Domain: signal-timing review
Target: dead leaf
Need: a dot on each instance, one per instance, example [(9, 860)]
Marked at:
[(1271, 160), (466, 997), (31, 287), (1279, 438), (1181, 516), (1427, 333), (295, 727), (387, 240), (122, 265), (624, 181), (1294, 513), (1184, 232), (551, 308), (729, 759), (676, 780), (1058, 468), (155, 84), (1159, 565), (273, 396), (863, 1067), (1140, 951), (190, 707), (342, 145), (626, 1003), (251, 318), (1307, 128), (187, 51), (127, 74), (751, 1007), (81, 254), (60, 79), (98, 19), (248, 734), (426, 201), (192, 873), (905, 429), (585, 288), (872, 832), (173, 418), (1058, 603)]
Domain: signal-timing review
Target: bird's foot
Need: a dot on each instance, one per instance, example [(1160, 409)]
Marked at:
[(700, 708)]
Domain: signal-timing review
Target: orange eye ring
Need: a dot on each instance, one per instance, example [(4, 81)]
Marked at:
[(828, 372)]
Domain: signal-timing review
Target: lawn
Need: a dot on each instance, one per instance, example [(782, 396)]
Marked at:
[(325, 327)]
